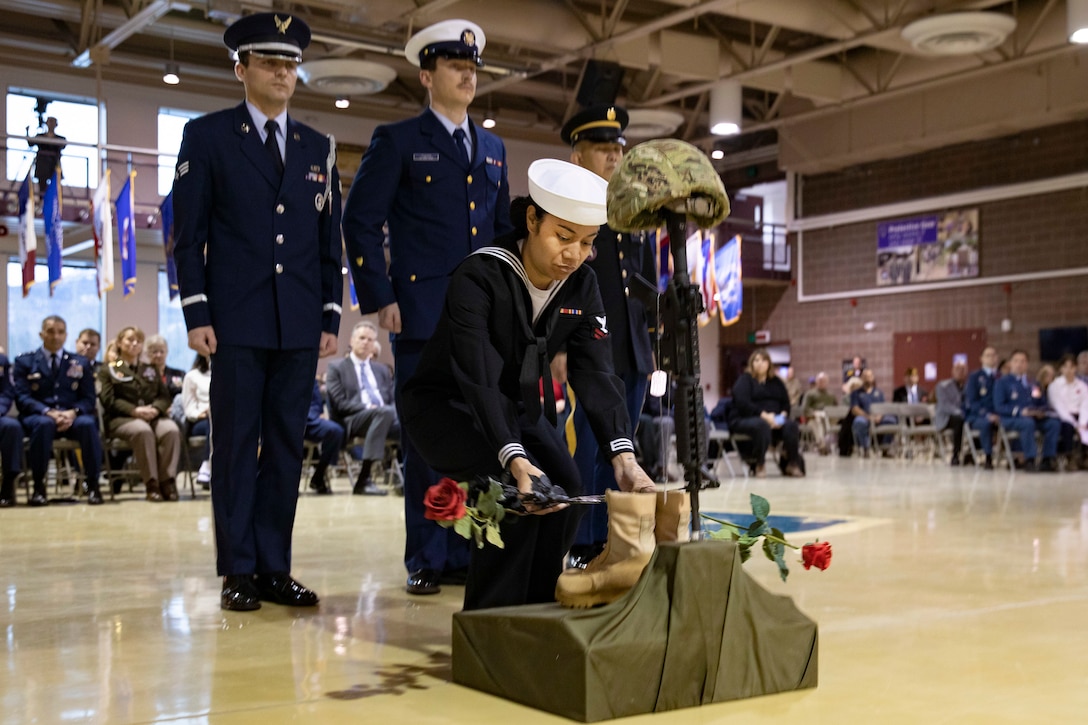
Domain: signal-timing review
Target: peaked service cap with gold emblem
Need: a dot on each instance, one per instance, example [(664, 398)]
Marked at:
[(280, 35), (569, 192), (448, 39), (604, 124)]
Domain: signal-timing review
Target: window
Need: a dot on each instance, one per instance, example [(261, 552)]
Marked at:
[(172, 327), (171, 125), (77, 122), (75, 299)]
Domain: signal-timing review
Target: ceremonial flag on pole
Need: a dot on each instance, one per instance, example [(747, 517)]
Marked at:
[(54, 230), (727, 271), (102, 214), (351, 291), (28, 238), (126, 240), (166, 212), (707, 283)]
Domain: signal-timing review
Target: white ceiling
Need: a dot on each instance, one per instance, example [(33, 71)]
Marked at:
[(827, 82)]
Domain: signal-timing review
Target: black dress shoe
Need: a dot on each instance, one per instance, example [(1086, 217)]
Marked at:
[(283, 589), (319, 486), (424, 581), (368, 488), (1048, 465), (7, 502), (239, 593), (38, 498), (94, 497)]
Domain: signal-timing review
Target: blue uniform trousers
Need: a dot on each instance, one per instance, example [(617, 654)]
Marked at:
[(11, 444), (42, 431), (985, 430), (258, 397), (199, 428), (331, 437), (426, 544), (595, 470), (1026, 427)]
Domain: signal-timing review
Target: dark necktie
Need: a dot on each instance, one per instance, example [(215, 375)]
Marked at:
[(459, 137), (271, 127), (54, 364)]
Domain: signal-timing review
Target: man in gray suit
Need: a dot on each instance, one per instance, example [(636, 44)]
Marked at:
[(949, 413), (361, 400)]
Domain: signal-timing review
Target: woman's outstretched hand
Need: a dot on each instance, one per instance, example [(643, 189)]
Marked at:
[(630, 476)]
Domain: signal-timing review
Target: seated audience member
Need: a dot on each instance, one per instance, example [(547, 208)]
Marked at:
[(329, 435), (815, 400), (861, 405), (979, 398), (195, 402), (846, 425), (361, 401), (761, 410), (136, 404), (1068, 396), (157, 351), (853, 371), (87, 345), (909, 391), (1082, 366), (950, 407), (793, 386), (1044, 376), (11, 437), (55, 393), (1024, 413)]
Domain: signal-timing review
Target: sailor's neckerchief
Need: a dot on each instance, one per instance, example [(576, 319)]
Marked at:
[(535, 367)]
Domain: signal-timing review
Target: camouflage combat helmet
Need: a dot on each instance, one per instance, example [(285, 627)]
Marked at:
[(665, 173)]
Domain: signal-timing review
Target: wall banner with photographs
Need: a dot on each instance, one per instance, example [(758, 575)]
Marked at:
[(928, 248)]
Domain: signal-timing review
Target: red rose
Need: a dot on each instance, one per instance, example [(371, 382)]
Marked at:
[(444, 501), (816, 555)]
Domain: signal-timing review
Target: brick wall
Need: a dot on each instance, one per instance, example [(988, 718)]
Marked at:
[(1030, 234)]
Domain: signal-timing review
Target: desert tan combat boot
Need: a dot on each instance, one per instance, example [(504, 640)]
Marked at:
[(630, 545), (673, 516)]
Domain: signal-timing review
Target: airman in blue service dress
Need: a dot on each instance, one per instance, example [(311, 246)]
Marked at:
[(43, 387), (619, 259), (441, 203), (258, 250), (1025, 412), (11, 437)]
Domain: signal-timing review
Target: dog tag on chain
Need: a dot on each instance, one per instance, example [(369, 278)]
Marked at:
[(659, 383)]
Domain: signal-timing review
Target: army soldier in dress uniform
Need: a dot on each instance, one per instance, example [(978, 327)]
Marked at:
[(619, 260), (257, 203), (440, 182), (54, 390)]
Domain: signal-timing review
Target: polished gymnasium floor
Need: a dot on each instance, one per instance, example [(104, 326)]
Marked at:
[(954, 596)]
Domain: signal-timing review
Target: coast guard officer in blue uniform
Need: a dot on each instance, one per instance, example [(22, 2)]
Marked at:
[(596, 138), (257, 203), (441, 184), (1023, 412), (979, 394), (54, 390)]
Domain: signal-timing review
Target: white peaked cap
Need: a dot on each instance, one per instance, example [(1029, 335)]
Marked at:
[(569, 192), (449, 38)]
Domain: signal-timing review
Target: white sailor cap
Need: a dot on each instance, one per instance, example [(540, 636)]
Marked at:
[(447, 39), (568, 192)]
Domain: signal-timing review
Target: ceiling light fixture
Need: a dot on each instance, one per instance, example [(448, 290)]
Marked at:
[(962, 33), (1077, 14), (717, 154), (342, 102), (725, 108), (170, 76)]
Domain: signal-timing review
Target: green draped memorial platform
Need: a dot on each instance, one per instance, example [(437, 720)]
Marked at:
[(695, 629)]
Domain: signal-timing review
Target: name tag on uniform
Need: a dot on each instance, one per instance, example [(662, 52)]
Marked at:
[(424, 157)]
